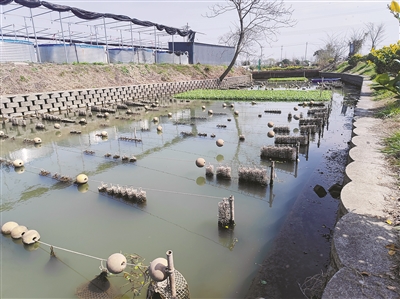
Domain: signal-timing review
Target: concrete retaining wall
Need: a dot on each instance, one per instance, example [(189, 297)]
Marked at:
[(356, 80), (55, 101)]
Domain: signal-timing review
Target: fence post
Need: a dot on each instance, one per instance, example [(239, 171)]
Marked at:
[(232, 209), (171, 272), (271, 179)]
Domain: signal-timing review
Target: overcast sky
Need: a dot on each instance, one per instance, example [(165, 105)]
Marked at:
[(316, 20)]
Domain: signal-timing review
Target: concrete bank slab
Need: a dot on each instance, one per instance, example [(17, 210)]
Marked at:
[(367, 142), (365, 266), (348, 283), (363, 172), (366, 122), (359, 243), (373, 157), (365, 198)]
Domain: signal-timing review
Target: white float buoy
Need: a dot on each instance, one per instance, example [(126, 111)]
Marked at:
[(18, 163), (82, 178), (57, 126), (18, 231), (116, 263), (220, 142), (200, 162), (296, 117), (203, 107), (271, 134), (158, 269), (210, 112), (155, 119), (241, 137), (223, 105), (236, 112), (270, 124), (232, 105), (295, 108), (159, 128), (104, 134), (106, 114), (170, 114), (30, 237), (8, 227), (37, 140), (1, 133)]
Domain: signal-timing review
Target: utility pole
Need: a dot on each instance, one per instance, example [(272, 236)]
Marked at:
[(305, 55), (281, 52)]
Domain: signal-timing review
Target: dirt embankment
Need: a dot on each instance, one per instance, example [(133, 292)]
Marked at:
[(18, 78)]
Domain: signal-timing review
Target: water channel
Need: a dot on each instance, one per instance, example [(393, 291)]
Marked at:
[(181, 210)]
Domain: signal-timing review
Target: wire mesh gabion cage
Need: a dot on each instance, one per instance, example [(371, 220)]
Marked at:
[(278, 152), (163, 289), (98, 288)]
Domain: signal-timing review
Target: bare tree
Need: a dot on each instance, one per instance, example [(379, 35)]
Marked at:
[(257, 20), (334, 50), (356, 41), (376, 33)]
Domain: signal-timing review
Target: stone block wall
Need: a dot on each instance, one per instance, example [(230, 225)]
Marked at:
[(56, 101)]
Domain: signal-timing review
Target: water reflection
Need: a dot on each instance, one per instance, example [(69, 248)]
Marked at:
[(177, 214)]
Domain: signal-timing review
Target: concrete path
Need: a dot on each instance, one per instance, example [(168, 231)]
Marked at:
[(361, 246)]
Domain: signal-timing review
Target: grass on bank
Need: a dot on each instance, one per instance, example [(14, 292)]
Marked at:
[(257, 95), (392, 147)]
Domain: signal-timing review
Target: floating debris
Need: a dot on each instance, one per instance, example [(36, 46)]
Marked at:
[(88, 152), (202, 134), (221, 126), (254, 175), (75, 132)]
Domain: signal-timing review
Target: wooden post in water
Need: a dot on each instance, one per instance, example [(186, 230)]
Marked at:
[(308, 136), (271, 179), (171, 273), (297, 150), (232, 209)]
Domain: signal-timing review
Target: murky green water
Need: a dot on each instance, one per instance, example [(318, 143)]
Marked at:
[(181, 209)]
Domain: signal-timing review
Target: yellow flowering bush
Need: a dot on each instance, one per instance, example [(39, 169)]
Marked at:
[(384, 59)]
